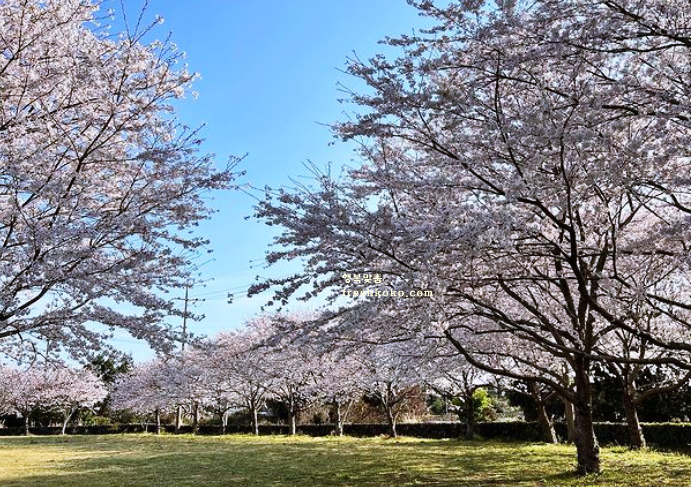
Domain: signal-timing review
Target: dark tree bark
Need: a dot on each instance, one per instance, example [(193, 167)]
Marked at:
[(636, 438), (570, 422), (587, 448), (255, 419), (550, 435), (469, 416)]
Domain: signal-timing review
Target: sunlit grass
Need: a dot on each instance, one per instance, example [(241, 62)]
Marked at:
[(148, 460)]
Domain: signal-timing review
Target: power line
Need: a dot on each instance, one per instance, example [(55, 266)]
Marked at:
[(236, 289)]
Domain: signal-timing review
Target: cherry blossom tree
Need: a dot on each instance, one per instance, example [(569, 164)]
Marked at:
[(187, 383), (288, 357), (391, 375), (239, 361), (294, 370), (24, 391), (216, 382), (339, 382), (450, 375), (74, 389), (52, 387), (634, 392), (98, 178), (145, 391), (527, 161)]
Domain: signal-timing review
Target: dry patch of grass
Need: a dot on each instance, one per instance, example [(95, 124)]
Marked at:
[(175, 461)]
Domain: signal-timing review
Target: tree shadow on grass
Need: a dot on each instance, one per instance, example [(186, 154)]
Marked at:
[(173, 462)]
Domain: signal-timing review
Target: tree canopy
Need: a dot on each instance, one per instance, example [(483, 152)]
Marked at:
[(97, 178), (528, 162)]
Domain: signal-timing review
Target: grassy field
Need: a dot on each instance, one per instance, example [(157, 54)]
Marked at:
[(148, 460)]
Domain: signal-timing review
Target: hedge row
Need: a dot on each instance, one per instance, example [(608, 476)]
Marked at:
[(663, 435), (79, 430)]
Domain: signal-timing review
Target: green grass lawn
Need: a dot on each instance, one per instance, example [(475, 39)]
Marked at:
[(148, 460)]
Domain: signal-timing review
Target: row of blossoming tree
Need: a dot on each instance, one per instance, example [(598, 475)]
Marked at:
[(59, 389), (244, 368), (529, 163), (526, 162), (272, 360), (269, 360)]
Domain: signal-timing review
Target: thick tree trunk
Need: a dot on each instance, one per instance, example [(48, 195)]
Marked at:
[(67, 420), (636, 438), (157, 417), (391, 421), (224, 421), (587, 449), (26, 424), (550, 435), (255, 420), (195, 417), (338, 417), (570, 423), (469, 417), (293, 423), (178, 418), (293, 415)]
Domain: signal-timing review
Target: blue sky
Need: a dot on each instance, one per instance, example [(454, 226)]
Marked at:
[(269, 81)]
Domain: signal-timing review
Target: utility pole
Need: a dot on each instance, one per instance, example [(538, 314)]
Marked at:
[(187, 300), (185, 313)]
